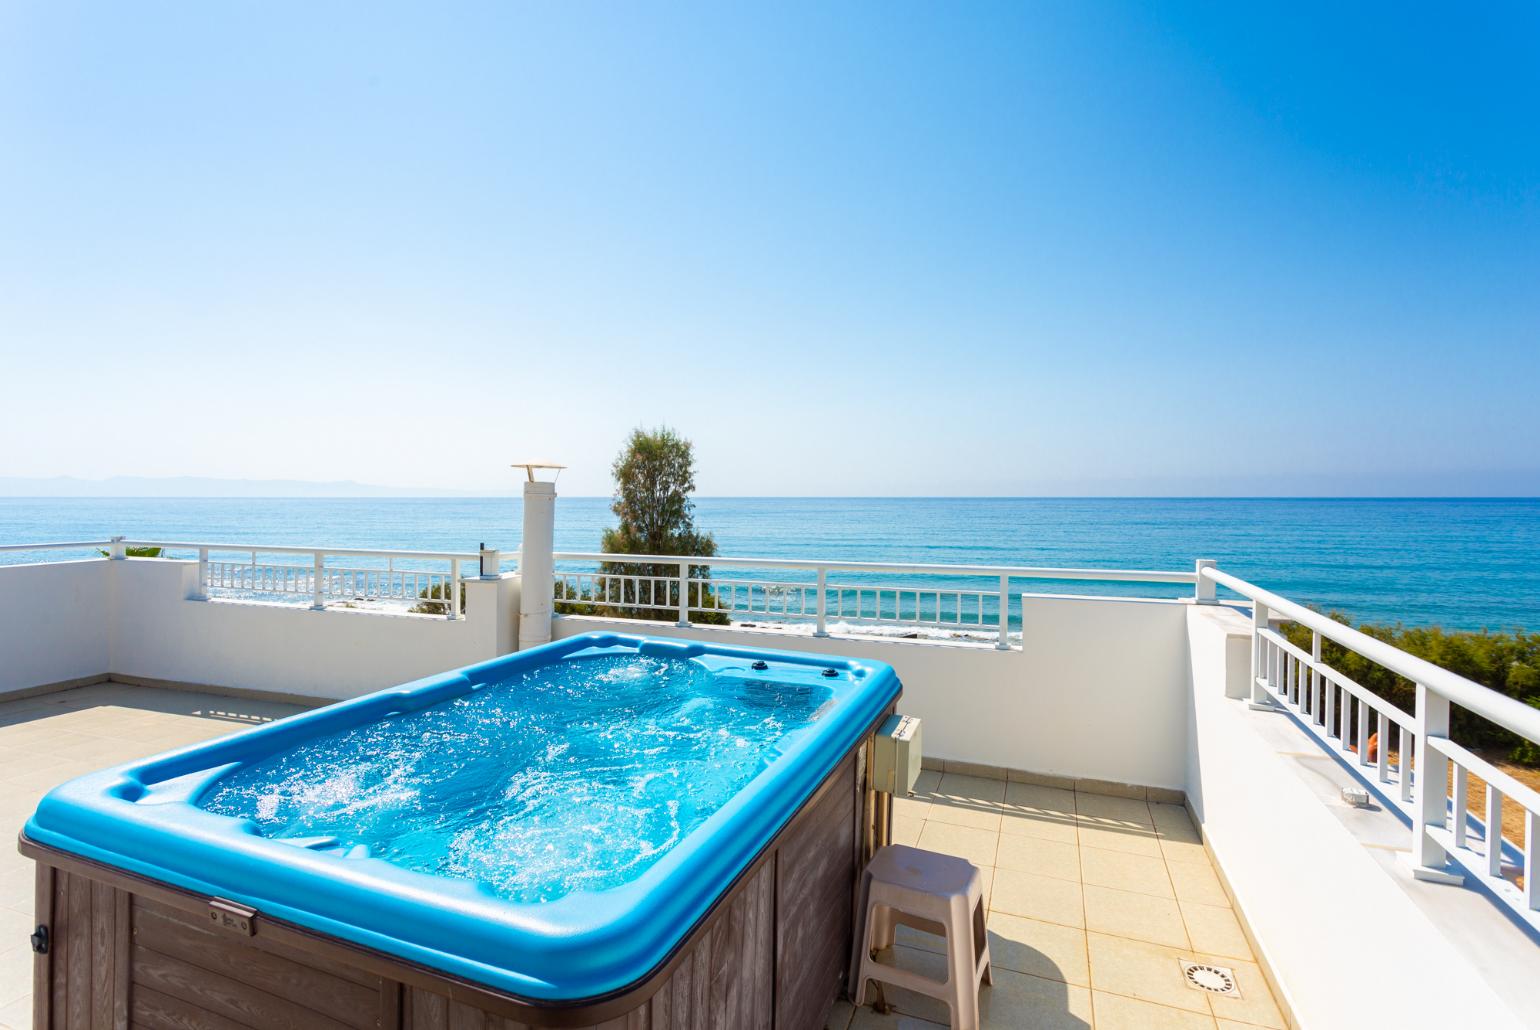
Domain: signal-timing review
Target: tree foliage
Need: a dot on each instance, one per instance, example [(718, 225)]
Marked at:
[(654, 480), (1509, 663)]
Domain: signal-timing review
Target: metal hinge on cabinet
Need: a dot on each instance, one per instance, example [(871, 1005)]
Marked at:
[(40, 939)]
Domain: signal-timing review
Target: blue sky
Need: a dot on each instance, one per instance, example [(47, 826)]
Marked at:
[(848, 249)]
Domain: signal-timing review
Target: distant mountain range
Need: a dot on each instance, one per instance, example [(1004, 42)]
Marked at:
[(204, 486)]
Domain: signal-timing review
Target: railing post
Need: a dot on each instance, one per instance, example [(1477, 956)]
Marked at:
[(1430, 805), (116, 550), (1259, 699), (684, 594), (203, 573), (318, 582), (1317, 686), (1004, 641), (1204, 589), (822, 628), (454, 588)]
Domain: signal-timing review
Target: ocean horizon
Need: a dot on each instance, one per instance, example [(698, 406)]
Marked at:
[(1462, 563)]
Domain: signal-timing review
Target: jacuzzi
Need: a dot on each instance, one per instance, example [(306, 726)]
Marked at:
[(609, 827)]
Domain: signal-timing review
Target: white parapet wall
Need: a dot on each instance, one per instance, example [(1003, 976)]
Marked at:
[(140, 619), (53, 623), (1346, 943), (1098, 689)]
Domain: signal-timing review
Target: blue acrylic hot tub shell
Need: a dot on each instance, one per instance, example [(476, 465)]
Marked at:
[(141, 817)]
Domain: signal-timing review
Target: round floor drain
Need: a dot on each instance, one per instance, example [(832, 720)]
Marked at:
[(1214, 979)]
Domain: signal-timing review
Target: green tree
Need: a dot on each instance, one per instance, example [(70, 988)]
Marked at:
[(654, 478)]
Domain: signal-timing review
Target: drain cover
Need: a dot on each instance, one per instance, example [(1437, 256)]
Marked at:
[(1215, 979)]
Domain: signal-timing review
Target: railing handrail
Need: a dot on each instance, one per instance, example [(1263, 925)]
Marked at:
[(1507, 712), (1017, 571), (351, 552), (74, 545)]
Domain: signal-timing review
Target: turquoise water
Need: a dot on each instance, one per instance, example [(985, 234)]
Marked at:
[(574, 776), (1463, 563)]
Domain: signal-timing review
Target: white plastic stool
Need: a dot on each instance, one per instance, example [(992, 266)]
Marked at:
[(938, 894)]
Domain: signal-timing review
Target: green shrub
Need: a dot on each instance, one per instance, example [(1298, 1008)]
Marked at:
[(436, 600), (1508, 662)]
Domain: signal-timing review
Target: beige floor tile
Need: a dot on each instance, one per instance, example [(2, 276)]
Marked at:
[(1017, 1001), (17, 1015), (868, 1019), (917, 807), (977, 788), (1103, 809), (1173, 822), (1140, 917), (1137, 873), (1144, 971), (1036, 948), (1134, 840), (929, 964), (1115, 1012), (977, 846), (1057, 826), (1038, 897), (1035, 798), (1197, 883), (15, 973), (1183, 851), (1255, 1005), (1214, 930), (840, 1015), (1043, 857), (980, 815), (927, 782), (907, 831)]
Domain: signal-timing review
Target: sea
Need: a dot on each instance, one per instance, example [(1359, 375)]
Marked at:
[(1464, 563)]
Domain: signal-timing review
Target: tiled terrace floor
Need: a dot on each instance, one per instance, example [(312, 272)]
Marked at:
[(1092, 899), (1093, 903), (48, 739)]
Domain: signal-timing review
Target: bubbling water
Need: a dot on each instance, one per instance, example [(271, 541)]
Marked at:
[(573, 776)]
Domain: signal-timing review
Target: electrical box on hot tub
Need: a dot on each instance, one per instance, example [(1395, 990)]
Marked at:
[(896, 755)]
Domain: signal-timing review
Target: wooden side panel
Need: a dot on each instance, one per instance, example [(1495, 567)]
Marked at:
[(79, 984), (182, 969), (428, 1010), (815, 878)]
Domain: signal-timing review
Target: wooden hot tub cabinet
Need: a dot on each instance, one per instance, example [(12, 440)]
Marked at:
[(771, 954)]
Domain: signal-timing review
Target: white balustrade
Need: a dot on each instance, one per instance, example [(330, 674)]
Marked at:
[(981, 612), (1430, 779)]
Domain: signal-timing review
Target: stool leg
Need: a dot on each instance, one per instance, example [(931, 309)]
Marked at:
[(855, 985), (962, 967), (981, 942), (864, 961), (883, 928)]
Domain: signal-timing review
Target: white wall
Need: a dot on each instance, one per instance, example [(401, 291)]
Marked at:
[(1098, 690), (157, 633), (53, 623), (1349, 947)]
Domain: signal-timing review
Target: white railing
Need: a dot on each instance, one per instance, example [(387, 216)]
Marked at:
[(78, 545), (397, 578), (393, 578), (1342, 715), (828, 590)]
